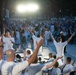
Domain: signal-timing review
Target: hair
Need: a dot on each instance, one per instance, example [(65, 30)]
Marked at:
[(39, 58), (58, 39), (50, 55), (68, 59), (38, 35), (54, 56), (28, 51), (18, 56), (56, 65), (7, 31)]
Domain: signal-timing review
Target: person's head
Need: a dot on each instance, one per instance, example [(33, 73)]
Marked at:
[(1, 53), (10, 55), (50, 55), (68, 60), (8, 34), (56, 65), (38, 35), (59, 39), (28, 52), (39, 59)]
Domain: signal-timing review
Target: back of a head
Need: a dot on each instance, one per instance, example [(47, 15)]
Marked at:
[(10, 54), (40, 59), (68, 59), (50, 55), (56, 65), (28, 52), (38, 35), (59, 39)]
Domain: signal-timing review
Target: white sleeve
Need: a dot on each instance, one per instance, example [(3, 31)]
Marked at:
[(4, 39), (55, 43), (12, 39), (65, 43), (20, 66), (44, 68), (40, 72)]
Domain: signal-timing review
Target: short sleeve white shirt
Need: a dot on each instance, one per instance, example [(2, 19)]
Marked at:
[(40, 72), (17, 69), (68, 67), (8, 43), (6, 68)]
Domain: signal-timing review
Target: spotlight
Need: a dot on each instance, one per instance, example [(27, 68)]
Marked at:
[(32, 7), (21, 8), (27, 8)]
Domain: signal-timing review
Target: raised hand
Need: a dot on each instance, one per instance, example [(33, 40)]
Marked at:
[(59, 57)]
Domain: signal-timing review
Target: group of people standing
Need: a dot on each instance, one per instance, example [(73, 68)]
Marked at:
[(12, 41)]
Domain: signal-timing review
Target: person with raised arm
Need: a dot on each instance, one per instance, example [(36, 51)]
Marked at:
[(7, 40), (11, 68), (35, 40), (60, 47)]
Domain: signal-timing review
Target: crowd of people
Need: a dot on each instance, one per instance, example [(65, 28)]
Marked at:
[(18, 33)]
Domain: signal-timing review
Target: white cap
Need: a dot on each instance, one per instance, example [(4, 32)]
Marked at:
[(61, 32)]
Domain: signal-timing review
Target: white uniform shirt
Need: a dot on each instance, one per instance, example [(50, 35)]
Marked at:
[(36, 39), (55, 71), (60, 47), (40, 72), (10, 68), (52, 28), (7, 68), (17, 69), (18, 40), (68, 68), (8, 43), (47, 34)]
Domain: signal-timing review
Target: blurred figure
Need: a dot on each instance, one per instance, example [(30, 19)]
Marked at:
[(46, 36), (8, 42), (63, 39), (28, 54), (17, 39), (60, 47), (51, 57), (36, 68), (39, 59), (11, 68), (68, 67), (36, 39), (55, 70)]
